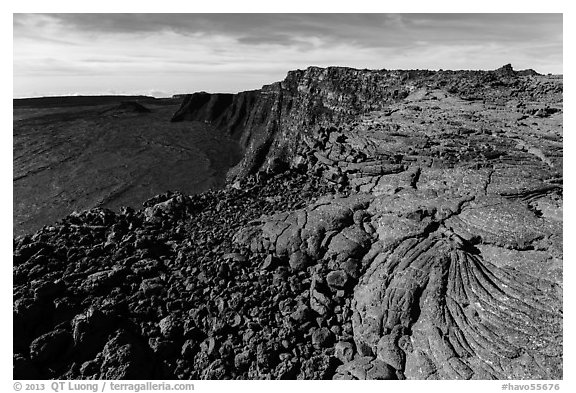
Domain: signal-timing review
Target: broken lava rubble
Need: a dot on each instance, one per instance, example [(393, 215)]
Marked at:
[(420, 238)]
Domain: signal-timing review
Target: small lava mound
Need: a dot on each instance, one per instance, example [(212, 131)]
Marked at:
[(127, 107)]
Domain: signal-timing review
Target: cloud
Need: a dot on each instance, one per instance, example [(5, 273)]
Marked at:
[(391, 30), (232, 52)]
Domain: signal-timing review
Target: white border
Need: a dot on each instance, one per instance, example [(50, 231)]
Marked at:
[(303, 6)]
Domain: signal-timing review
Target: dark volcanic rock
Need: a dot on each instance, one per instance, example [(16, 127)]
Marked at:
[(125, 357), (322, 337), (50, 346), (382, 225), (226, 111), (128, 107), (505, 70)]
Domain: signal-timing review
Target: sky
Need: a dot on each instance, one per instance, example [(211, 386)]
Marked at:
[(165, 54)]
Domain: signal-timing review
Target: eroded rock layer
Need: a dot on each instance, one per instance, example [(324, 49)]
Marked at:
[(399, 225)]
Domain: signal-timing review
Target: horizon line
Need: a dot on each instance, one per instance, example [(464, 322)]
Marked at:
[(166, 95)]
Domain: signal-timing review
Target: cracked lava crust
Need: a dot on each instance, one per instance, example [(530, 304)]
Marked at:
[(381, 225)]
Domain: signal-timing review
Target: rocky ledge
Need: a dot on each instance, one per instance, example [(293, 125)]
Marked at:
[(382, 225)]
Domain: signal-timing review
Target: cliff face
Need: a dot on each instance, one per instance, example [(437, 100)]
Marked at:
[(270, 122), (226, 111)]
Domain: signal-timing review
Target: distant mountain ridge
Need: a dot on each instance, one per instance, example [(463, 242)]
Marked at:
[(59, 101)]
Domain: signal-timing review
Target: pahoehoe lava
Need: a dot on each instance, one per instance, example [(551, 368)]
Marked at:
[(380, 225)]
